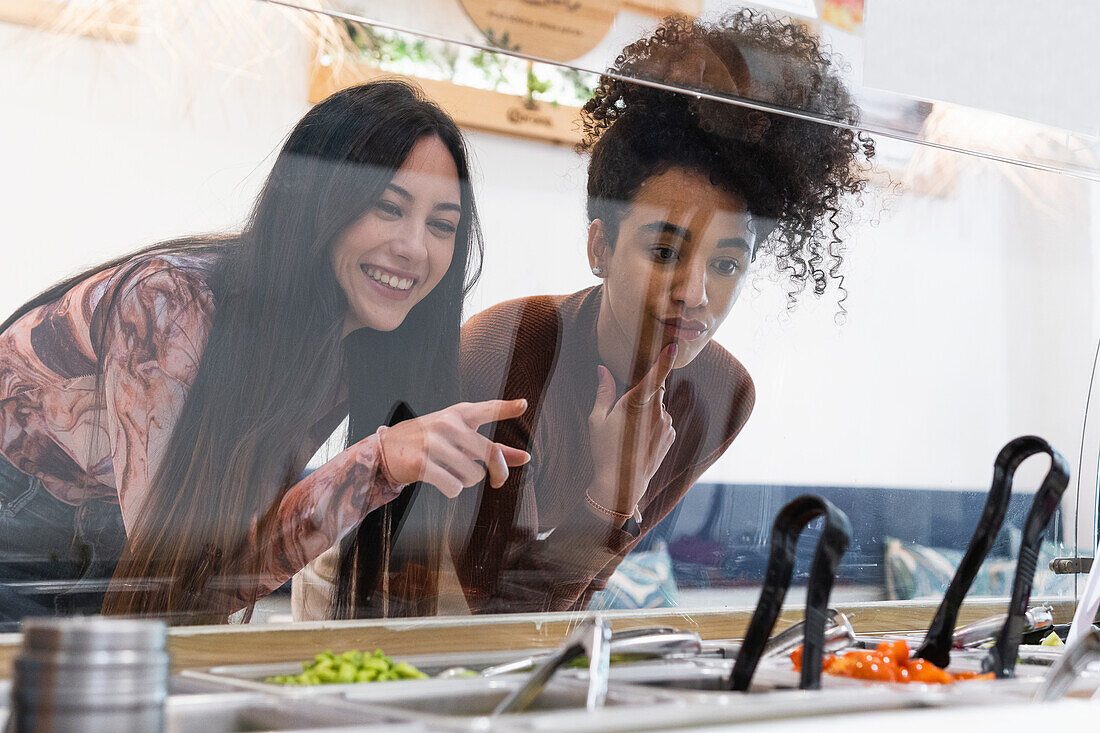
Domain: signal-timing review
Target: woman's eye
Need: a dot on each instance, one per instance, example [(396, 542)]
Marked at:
[(388, 209), (727, 267), (664, 254), (443, 227)]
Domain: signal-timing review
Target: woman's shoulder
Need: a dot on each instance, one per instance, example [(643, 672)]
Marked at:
[(65, 338), (174, 271), (163, 281), (716, 396), (536, 319), (515, 341), (161, 292), (536, 308), (719, 374)]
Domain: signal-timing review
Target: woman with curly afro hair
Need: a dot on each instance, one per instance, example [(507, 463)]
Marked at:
[(630, 400)]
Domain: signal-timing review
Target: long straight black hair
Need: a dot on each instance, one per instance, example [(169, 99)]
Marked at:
[(276, 352)]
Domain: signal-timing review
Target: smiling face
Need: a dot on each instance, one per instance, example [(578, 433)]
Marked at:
[(672, 274), (389, 259)]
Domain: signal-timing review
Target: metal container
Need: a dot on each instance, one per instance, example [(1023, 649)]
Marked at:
[(234, 712), (90, 675), (252, 676), (470, 704)]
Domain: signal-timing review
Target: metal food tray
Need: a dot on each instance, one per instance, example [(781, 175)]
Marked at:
[(232, 712), (468, 704), (252, 676), (709, 676), (236, 712), (1027, 653), (637, 708)]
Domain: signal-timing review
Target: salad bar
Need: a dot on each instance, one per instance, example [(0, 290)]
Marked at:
[(671, 686), (102, 674)]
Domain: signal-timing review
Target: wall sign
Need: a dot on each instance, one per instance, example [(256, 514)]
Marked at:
[(560, 30)]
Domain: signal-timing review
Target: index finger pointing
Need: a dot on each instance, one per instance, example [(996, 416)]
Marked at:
[(651, 383), (477, 414)]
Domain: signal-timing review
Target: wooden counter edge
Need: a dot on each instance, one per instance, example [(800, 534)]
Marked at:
[(208, 646)]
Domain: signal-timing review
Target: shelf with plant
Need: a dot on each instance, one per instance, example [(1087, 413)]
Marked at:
[(402, 53)]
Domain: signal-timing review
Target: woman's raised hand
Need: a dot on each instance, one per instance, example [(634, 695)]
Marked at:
[(629, 437), (445, 449)]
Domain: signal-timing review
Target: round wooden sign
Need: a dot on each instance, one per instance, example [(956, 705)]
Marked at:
[(558, 30)]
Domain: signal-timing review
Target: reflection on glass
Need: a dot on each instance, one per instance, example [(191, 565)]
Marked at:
[(190, 384), (588, 34), (629, 401)]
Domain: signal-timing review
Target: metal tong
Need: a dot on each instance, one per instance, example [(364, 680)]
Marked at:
[(832, 545), (1001, 659), (652, 641), (591, 637), (1078, 655), (1037, 618), (838, 635)]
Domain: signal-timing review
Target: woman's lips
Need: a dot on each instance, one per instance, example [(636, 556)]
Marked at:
[(683, 329), (398, 287)]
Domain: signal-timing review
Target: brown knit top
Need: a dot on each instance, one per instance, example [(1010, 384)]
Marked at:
[(533, 545)]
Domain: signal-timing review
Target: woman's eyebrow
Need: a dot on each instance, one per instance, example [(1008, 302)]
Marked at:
[(666, 227), (448, 206), (399, 191), (737, 242)]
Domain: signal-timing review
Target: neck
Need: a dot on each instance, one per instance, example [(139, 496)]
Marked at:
[(350, 324)]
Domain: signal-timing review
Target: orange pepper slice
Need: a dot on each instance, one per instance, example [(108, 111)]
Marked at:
[(889, 662)]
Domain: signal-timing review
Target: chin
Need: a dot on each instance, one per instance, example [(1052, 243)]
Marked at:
[(686, 354), (383, 324)]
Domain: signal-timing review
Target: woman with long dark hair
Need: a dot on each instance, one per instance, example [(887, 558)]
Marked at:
[(161, 407)]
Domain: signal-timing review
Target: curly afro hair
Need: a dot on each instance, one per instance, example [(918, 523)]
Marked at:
[(792, 172)]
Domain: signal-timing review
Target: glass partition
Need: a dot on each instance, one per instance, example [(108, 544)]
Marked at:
[(725, 275), (996, 120)]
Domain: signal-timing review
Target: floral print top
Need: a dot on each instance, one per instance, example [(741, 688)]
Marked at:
[(101, 439)]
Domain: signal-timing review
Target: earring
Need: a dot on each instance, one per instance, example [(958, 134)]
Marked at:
[(597, 271)]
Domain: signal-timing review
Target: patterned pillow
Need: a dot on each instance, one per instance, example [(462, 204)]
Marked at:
[(642, 580), (917, 571)]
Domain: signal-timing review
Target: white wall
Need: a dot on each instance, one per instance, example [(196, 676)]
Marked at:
[(971, 317), (110, 147)]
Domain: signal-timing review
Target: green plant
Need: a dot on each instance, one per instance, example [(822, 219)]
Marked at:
[(408, 54), (535, 85)]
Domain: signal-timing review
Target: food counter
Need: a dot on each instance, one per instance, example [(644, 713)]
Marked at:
[(219, 677)]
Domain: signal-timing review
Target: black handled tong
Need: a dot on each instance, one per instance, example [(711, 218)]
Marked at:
[(831, 546), (1001, 659)]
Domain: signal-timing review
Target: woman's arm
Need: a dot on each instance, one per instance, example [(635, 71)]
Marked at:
[(504, 565), (559, 572)]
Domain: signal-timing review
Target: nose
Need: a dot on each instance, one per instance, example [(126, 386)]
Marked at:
[(410, 241), (690, 285)]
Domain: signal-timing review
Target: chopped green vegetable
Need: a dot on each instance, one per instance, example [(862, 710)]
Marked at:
[(1052, 639), (581, 662), (351, 666)]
